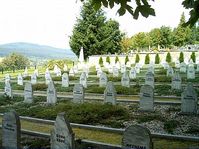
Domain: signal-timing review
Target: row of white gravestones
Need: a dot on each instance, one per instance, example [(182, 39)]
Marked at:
[(125, 81), (176, 82), (63, 137)]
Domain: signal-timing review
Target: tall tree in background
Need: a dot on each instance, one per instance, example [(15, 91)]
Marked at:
[(155, 35), (182, 35), (140, 41), (94, 33), (166, 37), (126, 44)]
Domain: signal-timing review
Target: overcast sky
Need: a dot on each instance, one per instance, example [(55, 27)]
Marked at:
[(50, 22)]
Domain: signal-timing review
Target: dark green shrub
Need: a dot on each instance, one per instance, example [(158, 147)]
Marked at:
[(193, 129), (181, 57), (27, 78), (100, 61), (108, 59), (39, 87), (170, 125), (56, 78), (147, 118), (137, 58), (116, 59), (147, 59), (126, 59), (157, 59), (168, 57), (193, 56)]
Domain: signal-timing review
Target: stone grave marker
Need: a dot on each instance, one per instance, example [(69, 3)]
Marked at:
[(115, 72), (71, 72), (183, 67), (137, 137), (55, 69), (103, 80), (62, 136), (51, 93), (7, 77), (75, 69), (78, 93), (34, 79), (110, 69), (117, 65), (189, 100), (99, 72), (110, 93), (137, 68), (65, 80), (58, 73), (191, 72), (149, 80), (48, 79), (36, 72), (11, 131), (197, 69), (19, 79), (151, 69), (8, 89), (65, 67), (25, 74), (125, 81), (83, 80), (177, 64), (28, 93), (176, 81), (169, 72), (132, 73), (123, 68), (146, 98)]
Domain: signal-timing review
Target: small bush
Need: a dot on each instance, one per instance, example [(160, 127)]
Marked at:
[(126, 59), (39, 87), (157, 59), (137, 58), (148, 118), (108, 59), (147, 59), (100, 61), (193, 56), (168, 57), (181, 57), (170, 125), (27, 78), (56, 78), (116, 59)]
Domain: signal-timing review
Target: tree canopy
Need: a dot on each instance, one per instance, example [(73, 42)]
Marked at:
[(144, 8), (95, 33)]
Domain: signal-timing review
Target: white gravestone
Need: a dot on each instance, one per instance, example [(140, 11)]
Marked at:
[(132, 73), (183, 67), (123, 68), (151, 69), (115, 72), (125, 81), (28, 93), (19, 79), (99, 72), (8, 89), (51, 93), (83, 80), (71, 72), (197, 69), (36, 72), (58, 73), (149, 80), (7, 77), (177, 64), (191, 72), (78, 93), (62, 136), (189, 100), (137, 137), (146, 98), (65, 80), (110, 94), (65, 67), (170, 72), (25, 74), (11, 131), (103, 80), (176, 81), (34, 79)]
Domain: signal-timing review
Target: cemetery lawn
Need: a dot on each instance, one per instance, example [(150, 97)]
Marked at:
[(111, 138)]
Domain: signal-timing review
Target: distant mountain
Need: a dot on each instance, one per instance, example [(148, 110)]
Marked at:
[(36, 51)]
